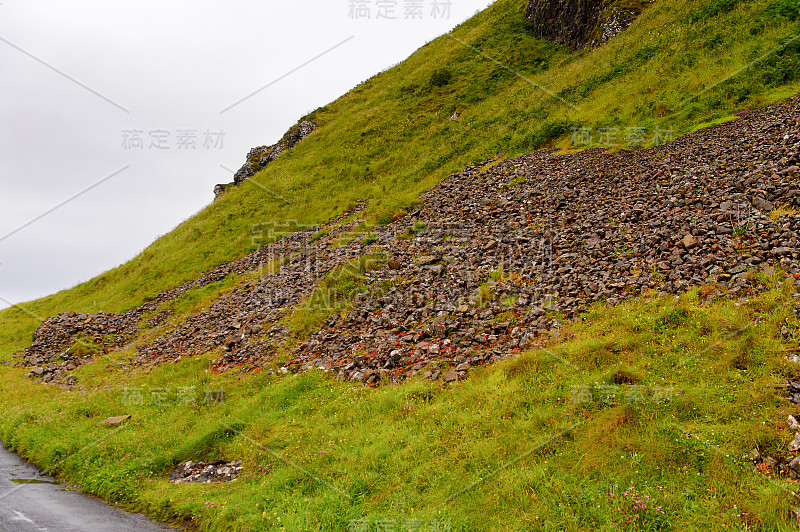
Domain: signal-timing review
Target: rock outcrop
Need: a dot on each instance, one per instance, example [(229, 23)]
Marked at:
[(260, 157), (578, 23)]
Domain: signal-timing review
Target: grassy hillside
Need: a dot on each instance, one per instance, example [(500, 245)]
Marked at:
[(635, 419), (518, 446), (391, 137)]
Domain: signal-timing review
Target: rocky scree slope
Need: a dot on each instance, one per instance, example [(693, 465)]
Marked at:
[(494, 259)]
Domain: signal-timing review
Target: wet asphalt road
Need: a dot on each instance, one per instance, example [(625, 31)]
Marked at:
[(30, 502)]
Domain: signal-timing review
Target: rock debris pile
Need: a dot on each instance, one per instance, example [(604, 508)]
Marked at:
[(206, 472), (55, 352), (497, 256)]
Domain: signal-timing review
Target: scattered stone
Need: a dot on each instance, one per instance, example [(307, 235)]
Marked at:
[(794, 445), (450, 376), (427, 260), (206, 472), (689, 242), (116, 420), (754, 456)]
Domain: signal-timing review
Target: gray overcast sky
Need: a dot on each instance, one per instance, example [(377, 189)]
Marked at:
[(78, 77)]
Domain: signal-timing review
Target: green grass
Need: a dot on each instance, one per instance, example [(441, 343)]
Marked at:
[(778, 213), (319, 454), (402, 452), (196, 299), (83, 346), (336, 293)]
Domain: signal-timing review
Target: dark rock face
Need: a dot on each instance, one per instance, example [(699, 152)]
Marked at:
[(219, 190), (566, 22), (243, 173), (261, 156), (577, 23)]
